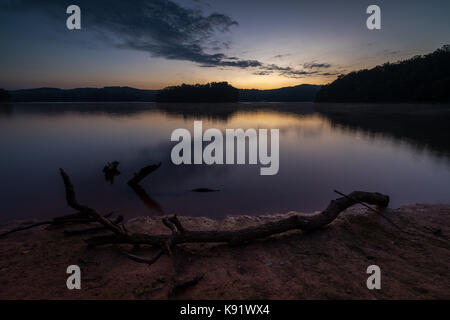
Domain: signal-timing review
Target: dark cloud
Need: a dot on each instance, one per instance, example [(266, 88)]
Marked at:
[(329, 73), (162, 28), (262, 73), (287, 71), (281, 56), (315, 65)]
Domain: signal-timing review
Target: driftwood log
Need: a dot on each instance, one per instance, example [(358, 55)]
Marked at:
[(73, 218), (179, 235)]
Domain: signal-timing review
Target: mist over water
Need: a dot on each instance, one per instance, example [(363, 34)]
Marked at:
[(322, 147)]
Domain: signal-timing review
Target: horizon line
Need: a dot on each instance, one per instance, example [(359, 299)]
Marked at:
[(125, 86)]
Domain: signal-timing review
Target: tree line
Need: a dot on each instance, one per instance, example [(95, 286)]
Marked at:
[(4, 96), (210, 92), (419, 79)]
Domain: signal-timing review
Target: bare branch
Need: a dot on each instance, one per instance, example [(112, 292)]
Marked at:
[(140, 192), (91, 230), (144, 172), (304, 222), (75, 218), (25, 227), (168, 244), (179, 234), (177, 223), (139, 259), (73, 203)]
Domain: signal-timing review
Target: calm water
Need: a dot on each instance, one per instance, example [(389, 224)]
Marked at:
[(322, 147)]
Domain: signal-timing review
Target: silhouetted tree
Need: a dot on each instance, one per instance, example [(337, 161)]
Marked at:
[(303, 92), (210, 92), (421, 78), (4, 95)]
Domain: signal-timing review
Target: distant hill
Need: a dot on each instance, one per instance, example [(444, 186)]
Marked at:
[(107, 94), (303, 92), (419, 79), (210, 92)]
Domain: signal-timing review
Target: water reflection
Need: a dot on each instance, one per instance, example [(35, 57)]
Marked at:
[(322, 147), (422, 126)]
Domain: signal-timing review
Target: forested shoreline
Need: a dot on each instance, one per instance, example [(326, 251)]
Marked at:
[(419, 79)]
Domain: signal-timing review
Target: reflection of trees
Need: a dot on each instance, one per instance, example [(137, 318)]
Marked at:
[(6, 109), (197, 111), (4, 96), (422, 126), (224, 111)]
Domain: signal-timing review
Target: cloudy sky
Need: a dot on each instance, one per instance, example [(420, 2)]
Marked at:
[(150, 44)]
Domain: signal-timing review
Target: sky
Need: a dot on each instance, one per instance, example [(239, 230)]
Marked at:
[(151, 44)]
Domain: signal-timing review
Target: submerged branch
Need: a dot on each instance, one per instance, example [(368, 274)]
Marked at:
[(144, 172), (140, 192)]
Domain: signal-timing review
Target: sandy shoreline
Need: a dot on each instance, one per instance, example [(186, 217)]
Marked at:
[(326, 264)]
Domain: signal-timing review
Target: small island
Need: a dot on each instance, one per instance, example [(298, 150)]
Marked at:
[(210, 92)]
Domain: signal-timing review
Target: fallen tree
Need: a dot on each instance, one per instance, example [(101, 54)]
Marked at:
[(179, 234), (73, 218)]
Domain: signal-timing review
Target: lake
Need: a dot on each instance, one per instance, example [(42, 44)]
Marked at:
[(399, 150)]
